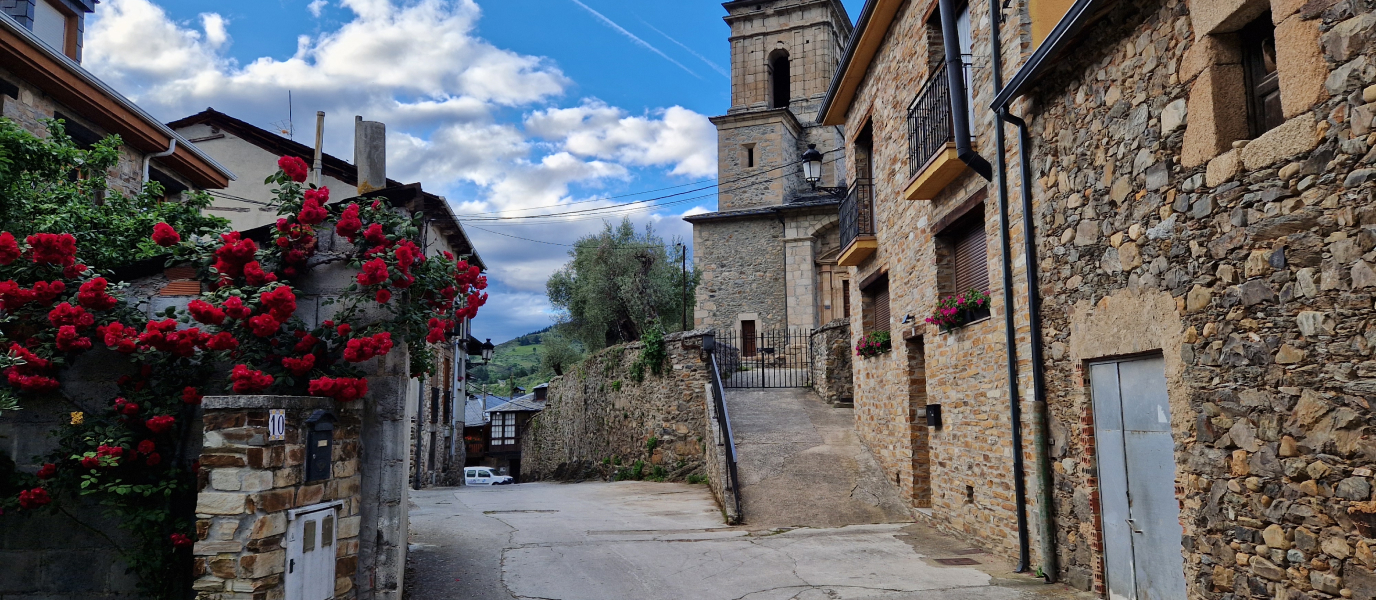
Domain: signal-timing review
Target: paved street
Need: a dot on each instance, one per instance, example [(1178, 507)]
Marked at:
[(651, 541)]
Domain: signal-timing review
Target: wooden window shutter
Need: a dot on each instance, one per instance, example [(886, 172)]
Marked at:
[(971, 259), (881, 308)]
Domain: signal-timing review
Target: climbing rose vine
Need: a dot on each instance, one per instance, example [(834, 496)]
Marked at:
[(129, 455)]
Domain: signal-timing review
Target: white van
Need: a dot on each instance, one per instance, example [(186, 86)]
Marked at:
[(484, 476)]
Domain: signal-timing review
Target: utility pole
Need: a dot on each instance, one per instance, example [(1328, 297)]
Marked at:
[(683, 257), (319, 142)]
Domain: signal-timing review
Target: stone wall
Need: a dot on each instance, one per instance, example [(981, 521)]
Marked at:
[(598, 413), (831, 362), (1251, 272), (742, 263), (249, 483)]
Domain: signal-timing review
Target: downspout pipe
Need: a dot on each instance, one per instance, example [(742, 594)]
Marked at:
[(1009, 304), (1034, 303), (148, 158), (955, 80)]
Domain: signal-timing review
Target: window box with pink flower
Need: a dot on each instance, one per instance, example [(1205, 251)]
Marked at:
[(958, 310)]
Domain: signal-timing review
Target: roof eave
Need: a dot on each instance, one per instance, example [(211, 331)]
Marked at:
[(208, 173), (1061, 37)]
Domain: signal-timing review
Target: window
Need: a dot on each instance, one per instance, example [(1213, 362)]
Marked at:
[(1258, 41), (845, 298), (81, 134), (779, 79), (962, 250), (971, 259), (504, 429), (749, 155), (967, 58), (876, 304), (51, 24)]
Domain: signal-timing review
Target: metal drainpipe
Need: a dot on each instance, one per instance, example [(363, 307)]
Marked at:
[(1039, 414), (148, 158), (955, 78), (1009, 322)]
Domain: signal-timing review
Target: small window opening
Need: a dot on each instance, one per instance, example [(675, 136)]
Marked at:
[(749, 155), (970, 494), (1261, 78), (779, 79)]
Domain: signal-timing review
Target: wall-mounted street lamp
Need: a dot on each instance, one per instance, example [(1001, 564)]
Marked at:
[(812, 165), (487, 350)]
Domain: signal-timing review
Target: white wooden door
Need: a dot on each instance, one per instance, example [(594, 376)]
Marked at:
[(311, 553)]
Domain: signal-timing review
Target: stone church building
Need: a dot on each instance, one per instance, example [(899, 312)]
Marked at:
[(768, 255)]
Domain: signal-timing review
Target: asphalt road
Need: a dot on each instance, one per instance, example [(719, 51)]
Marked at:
[(662, 541)]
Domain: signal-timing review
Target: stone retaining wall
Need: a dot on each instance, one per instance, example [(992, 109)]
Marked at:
[(597, 416)]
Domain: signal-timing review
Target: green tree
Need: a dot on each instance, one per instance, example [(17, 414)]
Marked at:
[(618, 284), (49, 185), (559, 354)]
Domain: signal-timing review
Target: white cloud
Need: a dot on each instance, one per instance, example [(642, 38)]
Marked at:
[(678, 137), (444, 93)]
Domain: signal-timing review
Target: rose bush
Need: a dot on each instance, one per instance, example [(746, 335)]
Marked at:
[(129, 456)]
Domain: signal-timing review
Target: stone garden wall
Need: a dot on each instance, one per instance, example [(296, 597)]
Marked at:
[(598, 419), (249, 483), (831, 362)]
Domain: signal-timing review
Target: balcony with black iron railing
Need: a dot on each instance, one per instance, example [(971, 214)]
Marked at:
[(932, 160), (857, 224)]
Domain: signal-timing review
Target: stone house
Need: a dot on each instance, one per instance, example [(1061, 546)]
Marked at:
[(1202, 192), (1186, 188), (41, 78), (928, 228), (436, 408), (768, 255), (507, 425)]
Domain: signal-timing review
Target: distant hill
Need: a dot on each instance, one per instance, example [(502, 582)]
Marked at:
[(517, 359)]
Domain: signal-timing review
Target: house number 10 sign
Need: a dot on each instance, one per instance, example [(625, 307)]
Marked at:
[(277, 425)]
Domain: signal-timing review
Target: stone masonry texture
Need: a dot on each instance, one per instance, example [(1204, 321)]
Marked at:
[(1251, 273), (598, 419)]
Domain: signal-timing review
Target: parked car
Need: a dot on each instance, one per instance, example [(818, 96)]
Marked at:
[(485, 476)]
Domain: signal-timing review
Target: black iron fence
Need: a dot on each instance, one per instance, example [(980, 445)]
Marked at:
[(857, 212), (929, 121), (728, 441), (778, 358)]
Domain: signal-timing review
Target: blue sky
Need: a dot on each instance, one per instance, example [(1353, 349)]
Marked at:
[(502, 106)]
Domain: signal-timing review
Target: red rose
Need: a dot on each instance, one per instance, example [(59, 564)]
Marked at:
[(383, 296), (234, 307), (280, 302), (256, 276), (349, 224), (293, 167), (153, 459), (47, 471), (92, 295), (191, 395), (129, 409), (247, 381), (264, 325), (66, 314), (344, 329), (343, 389), (119, 337), (180, 540), (160, 424), (90, 462), (34, 498), (222, 341), (68, 340), (312, 213), (53, 249), (164, 235), (299, 366), (206, 312), (146, 446), (9, 248), (374, 272)]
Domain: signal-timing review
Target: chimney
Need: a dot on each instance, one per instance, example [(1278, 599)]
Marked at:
[(370, 154)]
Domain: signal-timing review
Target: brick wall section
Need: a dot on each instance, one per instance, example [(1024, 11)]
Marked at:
[(598, 411), (1254, 280), (968, 466), (248, 484), (831, 362)]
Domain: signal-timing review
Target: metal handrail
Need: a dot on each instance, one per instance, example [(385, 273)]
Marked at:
[(729, 442), (929, 121), (857, 212)]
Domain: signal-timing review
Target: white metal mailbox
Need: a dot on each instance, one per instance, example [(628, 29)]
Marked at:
[(311, 550)]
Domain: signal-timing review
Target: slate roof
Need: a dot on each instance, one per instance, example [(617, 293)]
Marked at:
[(473, 415), (526, 403)]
